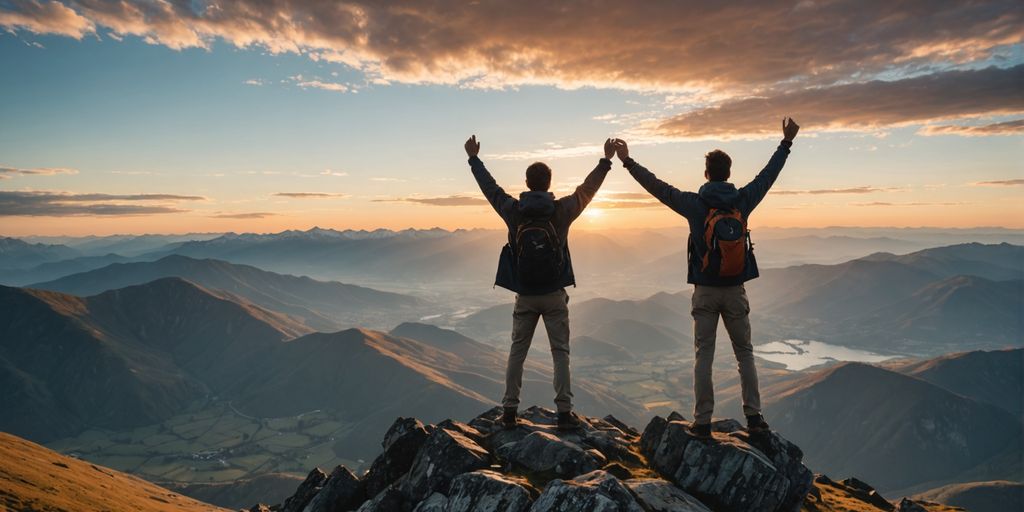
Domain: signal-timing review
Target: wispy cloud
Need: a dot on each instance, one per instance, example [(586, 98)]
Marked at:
[(255, 81), (860, 106), (453, 200), (66, 204), (309, 195), (999, 183), (823, 191), (245, 215), (9, 172), (1014, 127), (328, 172), (883, 203)]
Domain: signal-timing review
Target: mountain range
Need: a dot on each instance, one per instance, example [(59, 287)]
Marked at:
[(908, 433), (137, 355), (321, 305)]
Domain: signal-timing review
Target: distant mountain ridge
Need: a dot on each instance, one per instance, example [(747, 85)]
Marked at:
[(321, 305)]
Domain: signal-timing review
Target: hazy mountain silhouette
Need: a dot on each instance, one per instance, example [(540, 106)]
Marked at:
[(56, 269), (35, 479), (858, 419), (321, 305), (15, 253)]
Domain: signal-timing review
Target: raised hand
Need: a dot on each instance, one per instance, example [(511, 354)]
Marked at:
[(621, 149), (609, 148), (472, 146), (789, 130)]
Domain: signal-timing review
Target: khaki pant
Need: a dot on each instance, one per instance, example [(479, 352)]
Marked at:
[(731, 303), (554, 307)]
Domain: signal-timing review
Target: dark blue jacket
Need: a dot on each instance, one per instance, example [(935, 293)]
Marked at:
[(537, 204), (716, 194)]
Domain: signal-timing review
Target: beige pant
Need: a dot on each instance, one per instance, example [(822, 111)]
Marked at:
[(554, 307), (731, 303)]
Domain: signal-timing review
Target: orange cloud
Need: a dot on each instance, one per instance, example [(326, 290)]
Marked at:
[(658, 44), (945, 95)]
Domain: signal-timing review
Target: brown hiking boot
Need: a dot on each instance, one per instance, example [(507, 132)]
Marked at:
[(701, 430), (756, 424), (508, 417), (568, 421)]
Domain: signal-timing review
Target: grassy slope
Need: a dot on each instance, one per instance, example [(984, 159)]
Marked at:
[(33, 478)]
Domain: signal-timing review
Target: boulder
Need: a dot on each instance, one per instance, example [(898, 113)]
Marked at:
[(866, 493), (401, 443), (306, 491), (546, 454), (788, 461), (651, 437), (342, 492), (260, 507), (391, 499), (436, 502), (596, 491), (657, 495), (726, 472), (445, 455), (487, 490)]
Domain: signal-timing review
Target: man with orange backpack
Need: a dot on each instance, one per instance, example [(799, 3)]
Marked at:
[(719, 260)]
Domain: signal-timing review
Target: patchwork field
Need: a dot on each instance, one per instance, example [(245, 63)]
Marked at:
[(214, 443)]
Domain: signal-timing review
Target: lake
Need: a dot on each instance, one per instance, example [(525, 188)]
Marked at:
[(801, 354)]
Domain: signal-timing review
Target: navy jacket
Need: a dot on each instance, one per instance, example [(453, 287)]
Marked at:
[(717, 194), (562, 211)]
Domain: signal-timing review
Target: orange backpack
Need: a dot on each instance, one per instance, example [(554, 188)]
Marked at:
[(727, 240)]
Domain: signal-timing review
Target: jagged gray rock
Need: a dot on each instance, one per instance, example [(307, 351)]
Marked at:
[(401, 443), (596, 491), (453, 467), (260, 507), (866, 493), (544, 453), (391, 499), (656, 495), (307, 490), (480, 491), (445, 455), (726, 472), (342, 492)]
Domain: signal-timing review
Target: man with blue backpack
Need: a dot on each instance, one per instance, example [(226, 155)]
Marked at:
[(720, 259), (535, 264)]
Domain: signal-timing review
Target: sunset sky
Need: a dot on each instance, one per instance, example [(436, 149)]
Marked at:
[(204, 116)]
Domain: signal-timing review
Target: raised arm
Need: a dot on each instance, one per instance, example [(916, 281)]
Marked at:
[(574, 203), (499, 199), (686, 204), (759, 186)]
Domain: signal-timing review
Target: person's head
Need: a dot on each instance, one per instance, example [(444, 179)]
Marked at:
[(717, 166), (538, 177)]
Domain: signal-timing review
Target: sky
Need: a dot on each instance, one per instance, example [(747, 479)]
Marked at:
[(260, 116)]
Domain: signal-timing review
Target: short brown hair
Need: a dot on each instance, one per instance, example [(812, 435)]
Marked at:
[(538, 176), (717, 165)]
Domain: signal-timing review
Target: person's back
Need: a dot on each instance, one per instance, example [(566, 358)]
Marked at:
[(717, 291), (535, 264)]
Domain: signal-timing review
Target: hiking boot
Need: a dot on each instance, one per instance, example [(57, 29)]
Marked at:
[(508, 417), (701, 430), (756, 424), (568, 421)]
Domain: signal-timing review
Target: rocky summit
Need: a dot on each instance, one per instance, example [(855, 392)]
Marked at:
[(604, 465)]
